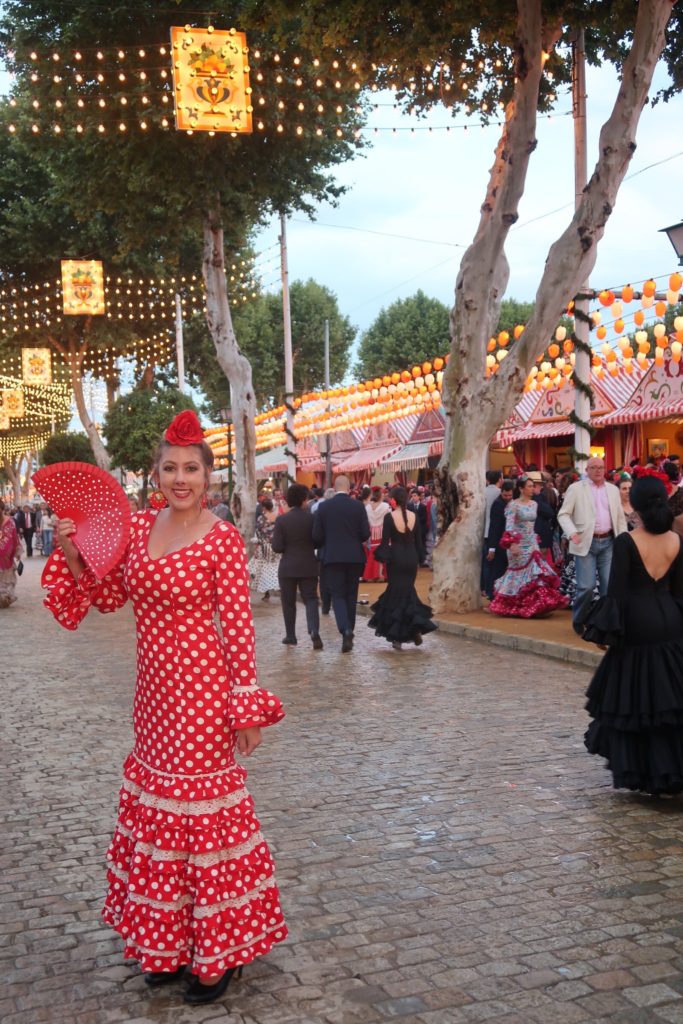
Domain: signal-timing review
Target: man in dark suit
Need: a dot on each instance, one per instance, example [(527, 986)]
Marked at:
[(26, 525), (293, 539), (496, 556), (340, 528)]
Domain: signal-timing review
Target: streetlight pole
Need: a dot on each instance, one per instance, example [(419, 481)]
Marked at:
[(179, 347), (290, 447), (582, 364), (328, 437)]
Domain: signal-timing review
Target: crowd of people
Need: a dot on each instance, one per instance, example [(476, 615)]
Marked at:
[(549, 535), (336, 539), (197, 700), (24, 531)]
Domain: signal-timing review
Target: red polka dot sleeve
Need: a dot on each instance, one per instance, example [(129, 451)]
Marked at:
[(249, 704), (69, 599)]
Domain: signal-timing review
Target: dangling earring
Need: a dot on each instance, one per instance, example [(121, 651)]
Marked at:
[(156, 499), (204, 502)]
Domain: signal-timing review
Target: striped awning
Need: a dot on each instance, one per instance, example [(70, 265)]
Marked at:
[(411, 456), (533, 432), (273, 461), (367, 458), (640, 414)]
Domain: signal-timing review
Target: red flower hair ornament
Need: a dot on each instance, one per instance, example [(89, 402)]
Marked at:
[(185, 429), (642, 471)]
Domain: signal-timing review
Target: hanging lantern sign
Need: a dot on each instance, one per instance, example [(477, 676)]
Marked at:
[(12, 402), (83, 288), (211, 80), (36, 365)]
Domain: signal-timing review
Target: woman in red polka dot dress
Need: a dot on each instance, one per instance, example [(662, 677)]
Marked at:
[(191, 877)]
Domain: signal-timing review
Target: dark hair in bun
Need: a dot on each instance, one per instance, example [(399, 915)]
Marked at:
[(649, 499)]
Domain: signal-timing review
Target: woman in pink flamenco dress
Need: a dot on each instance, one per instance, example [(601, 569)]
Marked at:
[(529, 588), (191, 879)]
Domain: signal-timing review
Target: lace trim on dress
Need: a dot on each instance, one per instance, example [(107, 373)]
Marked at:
[(179, 775), (237, 949), (202, 860), (189, 808), (233, 903)]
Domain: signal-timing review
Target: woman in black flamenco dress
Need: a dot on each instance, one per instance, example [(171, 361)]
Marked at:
[(636, 696), (399, 615)]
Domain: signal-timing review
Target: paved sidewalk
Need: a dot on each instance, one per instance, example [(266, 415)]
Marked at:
[(447, 851), (552, 636)]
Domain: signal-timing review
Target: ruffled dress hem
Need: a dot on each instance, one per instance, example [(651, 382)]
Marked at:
[(191, 879), (400, 622)]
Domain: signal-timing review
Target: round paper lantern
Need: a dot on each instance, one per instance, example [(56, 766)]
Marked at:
[(623, 343), (568, 346), (426, 368), (606, 298), (490, 361), (660, 308), (618, 326), (639, 317), (647, 301), (616, 309), (491, 345), (596, 317), (417, 371), (560, 333), (675, 282), (438, 363), (517, 333), (659, 330), (601, 333), (553, 350), (627, 293), (678, 323), (676, 349), (649, 288), (503, 338)]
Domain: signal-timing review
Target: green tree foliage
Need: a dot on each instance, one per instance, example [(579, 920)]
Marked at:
[(406, 332), (260, 329), (67, 447), (135, 423), (513, 312), (159, 184)]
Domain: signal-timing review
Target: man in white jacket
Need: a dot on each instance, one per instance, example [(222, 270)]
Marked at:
[(591, 517)]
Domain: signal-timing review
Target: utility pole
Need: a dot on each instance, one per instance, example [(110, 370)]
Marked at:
[(290, 446), (328, 437), (582, 365), (179, 349)]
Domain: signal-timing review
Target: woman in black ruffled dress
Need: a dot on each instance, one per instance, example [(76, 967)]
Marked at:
[(636, 696), (399, 615)]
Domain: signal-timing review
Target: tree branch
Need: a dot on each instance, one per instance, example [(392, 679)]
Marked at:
[(572, 257)]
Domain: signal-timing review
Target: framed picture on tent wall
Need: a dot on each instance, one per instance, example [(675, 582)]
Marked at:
[(657, 447)]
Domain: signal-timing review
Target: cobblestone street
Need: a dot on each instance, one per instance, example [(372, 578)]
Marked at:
[(447, 851)]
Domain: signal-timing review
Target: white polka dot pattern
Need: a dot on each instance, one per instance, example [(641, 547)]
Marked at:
[(191, 877)]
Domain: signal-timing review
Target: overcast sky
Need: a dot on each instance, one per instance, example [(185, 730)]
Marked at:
[(431, 185)]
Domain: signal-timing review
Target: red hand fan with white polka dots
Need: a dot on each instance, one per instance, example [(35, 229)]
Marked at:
[(98, 506)]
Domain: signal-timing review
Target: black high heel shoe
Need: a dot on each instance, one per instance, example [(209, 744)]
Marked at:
[(198, 993), (156, 978)]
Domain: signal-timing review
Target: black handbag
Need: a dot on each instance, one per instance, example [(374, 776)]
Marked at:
[(20, 567)]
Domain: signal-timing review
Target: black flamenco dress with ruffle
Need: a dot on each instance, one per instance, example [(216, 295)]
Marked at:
[(636, 695), (399, 615)]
